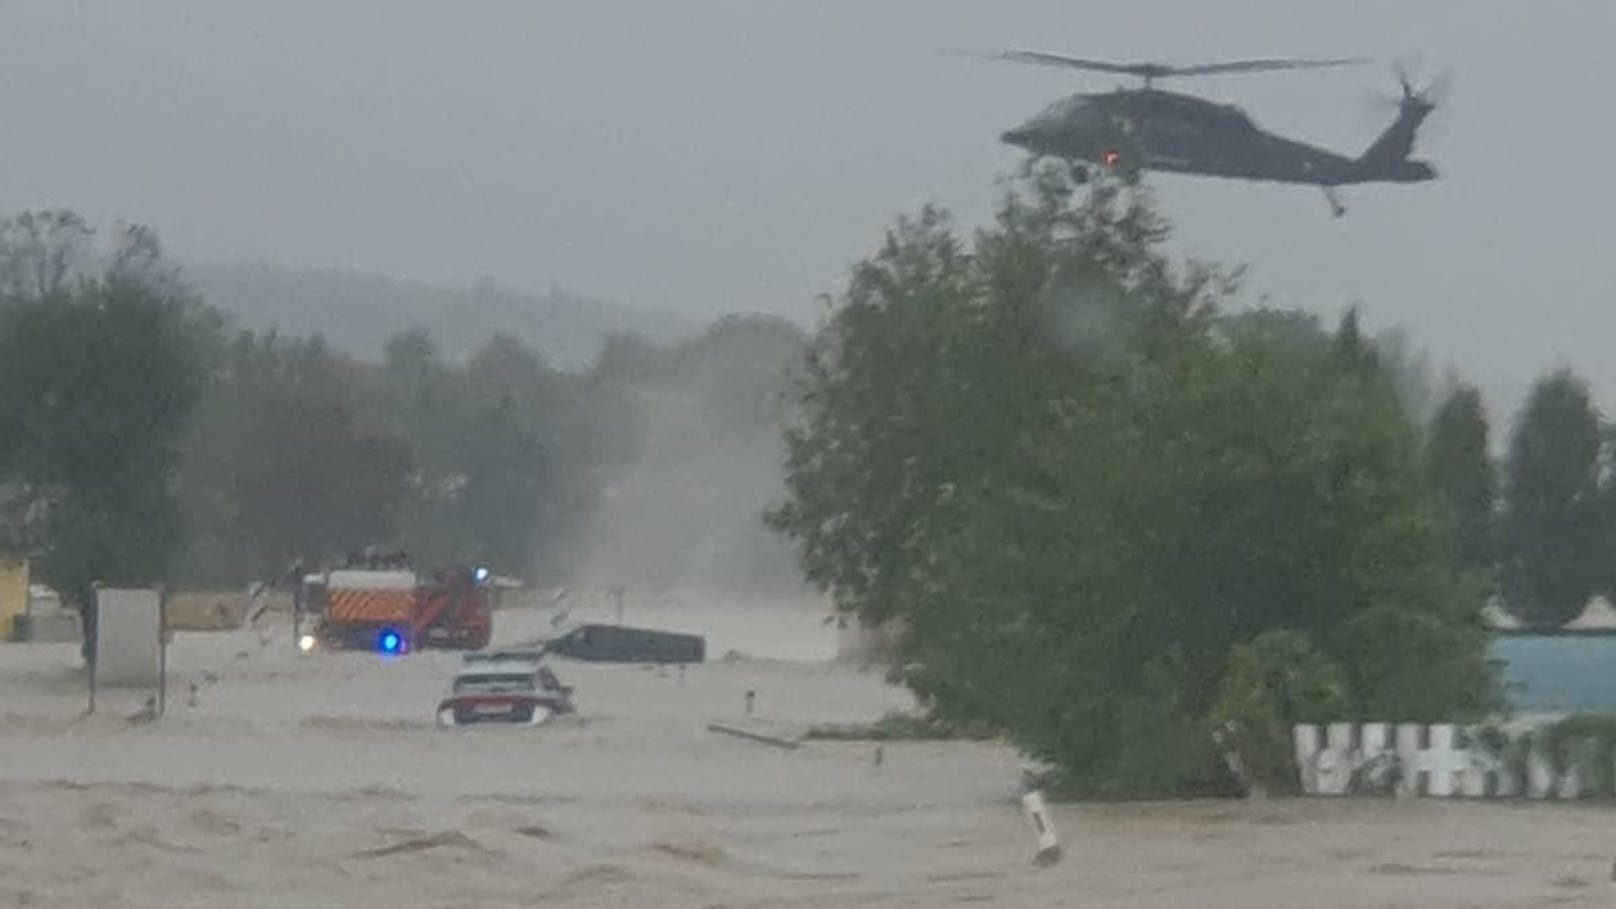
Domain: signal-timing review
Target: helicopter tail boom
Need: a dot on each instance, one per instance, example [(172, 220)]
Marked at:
[(1387, 158)]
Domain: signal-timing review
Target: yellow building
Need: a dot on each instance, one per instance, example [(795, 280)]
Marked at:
[(13, 593)]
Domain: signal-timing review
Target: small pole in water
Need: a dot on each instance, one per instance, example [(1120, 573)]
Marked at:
[(91, 637), (880, 755), (751, 698), (297, 616), (163, 637), (1049, 850)]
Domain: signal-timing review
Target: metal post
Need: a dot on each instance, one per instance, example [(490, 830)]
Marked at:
[(90, 617), (162, 650), (617, 595)]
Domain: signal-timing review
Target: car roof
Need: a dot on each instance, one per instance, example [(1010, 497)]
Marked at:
[(530, 655), (503, 667)]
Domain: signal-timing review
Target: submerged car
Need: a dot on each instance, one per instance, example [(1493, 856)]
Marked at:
[(621, 644), (514, 690)]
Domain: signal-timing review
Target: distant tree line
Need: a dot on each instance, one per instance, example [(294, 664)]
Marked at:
[(1538, 529), (144, 440)]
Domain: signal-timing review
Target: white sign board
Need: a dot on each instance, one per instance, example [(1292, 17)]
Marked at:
[(128, 638)]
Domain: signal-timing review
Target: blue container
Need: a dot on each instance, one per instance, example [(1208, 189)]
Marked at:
[(1568, 672)]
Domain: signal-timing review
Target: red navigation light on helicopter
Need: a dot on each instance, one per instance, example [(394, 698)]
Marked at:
[(1110, 158)]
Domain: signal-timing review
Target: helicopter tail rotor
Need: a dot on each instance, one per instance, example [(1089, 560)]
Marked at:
[(1389, 156), (1414, 96), (1429, 92)]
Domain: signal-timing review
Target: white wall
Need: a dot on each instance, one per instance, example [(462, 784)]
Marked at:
[(1441, 760)]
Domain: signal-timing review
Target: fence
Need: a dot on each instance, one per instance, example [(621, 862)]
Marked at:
[(1447, 761)]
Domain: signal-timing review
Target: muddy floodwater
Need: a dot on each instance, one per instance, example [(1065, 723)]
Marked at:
[(317, 780)]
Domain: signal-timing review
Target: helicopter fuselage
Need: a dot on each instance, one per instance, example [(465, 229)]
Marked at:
[(1130, 130)]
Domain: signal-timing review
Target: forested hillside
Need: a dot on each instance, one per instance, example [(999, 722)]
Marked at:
[(358, 313), (149, 431)]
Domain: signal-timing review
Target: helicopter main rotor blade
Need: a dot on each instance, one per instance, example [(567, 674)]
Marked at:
[(1047, 59), (1257, 66), (1160, 70)]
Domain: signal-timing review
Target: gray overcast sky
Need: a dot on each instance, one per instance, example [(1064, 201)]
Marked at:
[(740, 154)]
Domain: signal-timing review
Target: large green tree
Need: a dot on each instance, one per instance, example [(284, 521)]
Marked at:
[(102, 357), (1552, 534), (1083, 492)]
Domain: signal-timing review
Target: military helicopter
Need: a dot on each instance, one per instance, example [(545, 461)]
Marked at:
[(1130, 130)]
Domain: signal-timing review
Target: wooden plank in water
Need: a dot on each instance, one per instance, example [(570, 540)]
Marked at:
[(776, 741)]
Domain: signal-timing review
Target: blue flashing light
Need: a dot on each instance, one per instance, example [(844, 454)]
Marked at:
[(390, 642)]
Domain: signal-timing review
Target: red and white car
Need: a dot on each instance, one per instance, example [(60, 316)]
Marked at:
[(507, 689)]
